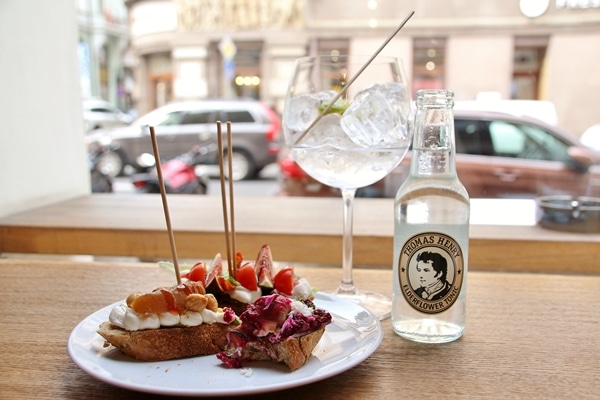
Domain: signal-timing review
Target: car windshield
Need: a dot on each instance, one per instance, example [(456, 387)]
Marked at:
[(160, 117)]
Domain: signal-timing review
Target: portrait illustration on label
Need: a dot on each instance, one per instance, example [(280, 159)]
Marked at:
[(431, 272)]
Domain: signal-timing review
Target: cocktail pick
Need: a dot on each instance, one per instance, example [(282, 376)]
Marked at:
[(231, 202), (351, 81), (163, 195), (228, 212)]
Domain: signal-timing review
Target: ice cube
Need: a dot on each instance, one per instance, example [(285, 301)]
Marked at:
[(302, 110), (398, 96), (328, 131), (378, 116)]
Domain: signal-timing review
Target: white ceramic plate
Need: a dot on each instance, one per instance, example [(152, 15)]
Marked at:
[(352, 337)]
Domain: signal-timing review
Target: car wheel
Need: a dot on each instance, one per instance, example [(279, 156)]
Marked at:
[(101, 183), (242, 165), (201, 189), (110, 163)]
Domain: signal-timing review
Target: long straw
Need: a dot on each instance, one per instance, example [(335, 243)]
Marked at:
[(163, 195), (351, 81)]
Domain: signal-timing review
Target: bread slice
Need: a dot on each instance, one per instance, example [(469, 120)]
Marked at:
[(293, 351), (278, 329), (167, 343)]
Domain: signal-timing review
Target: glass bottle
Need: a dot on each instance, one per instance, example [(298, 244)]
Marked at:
[(431, 230)]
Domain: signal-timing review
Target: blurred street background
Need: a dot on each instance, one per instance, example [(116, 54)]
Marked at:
[(115, 66), (155, 59), (264, 185)]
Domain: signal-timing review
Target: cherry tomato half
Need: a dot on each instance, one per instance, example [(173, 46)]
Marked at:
[(247, 277), (284, 280), (198, 273)]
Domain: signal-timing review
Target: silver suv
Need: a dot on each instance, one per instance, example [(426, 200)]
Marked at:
[(182, 125)]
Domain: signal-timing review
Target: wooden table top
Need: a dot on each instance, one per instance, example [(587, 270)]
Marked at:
[(529, 336), (298, 229)]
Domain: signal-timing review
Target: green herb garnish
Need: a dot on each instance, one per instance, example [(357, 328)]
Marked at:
[(339, 107)]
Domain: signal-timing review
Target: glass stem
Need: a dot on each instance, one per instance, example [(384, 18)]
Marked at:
[(347, 284)]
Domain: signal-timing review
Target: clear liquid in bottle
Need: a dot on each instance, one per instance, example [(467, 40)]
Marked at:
[(431, 235)]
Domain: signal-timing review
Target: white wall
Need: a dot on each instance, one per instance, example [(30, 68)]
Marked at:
[(42, 153), (479, 64), (574, 87)]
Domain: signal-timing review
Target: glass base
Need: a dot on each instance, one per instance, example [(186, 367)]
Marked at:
[(378, 304)]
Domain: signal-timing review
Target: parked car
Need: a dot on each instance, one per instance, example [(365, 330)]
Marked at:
[(101, 181), (499, 155), (591, 138), (100, 114), (182, 125)]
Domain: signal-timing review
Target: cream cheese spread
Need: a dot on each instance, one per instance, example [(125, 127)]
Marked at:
[(302, 289), (244, 295), (126, 318), (301, 308)]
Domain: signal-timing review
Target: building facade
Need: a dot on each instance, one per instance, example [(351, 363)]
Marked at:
[(527, 49), (105, 67)]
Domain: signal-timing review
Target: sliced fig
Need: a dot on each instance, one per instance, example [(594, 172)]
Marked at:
[(264, 269), (215, 270)]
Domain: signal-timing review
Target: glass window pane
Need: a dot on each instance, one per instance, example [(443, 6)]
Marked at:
[(526, 142), (239, 116), (507, 139), (468, 136), (545, 146), (197, 117), (161, 119)]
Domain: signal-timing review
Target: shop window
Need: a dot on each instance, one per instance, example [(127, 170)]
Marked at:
[(240, 77), (160, 79), (332, 47), (429, 59), (247, 80), (162, 88), (528, 63)]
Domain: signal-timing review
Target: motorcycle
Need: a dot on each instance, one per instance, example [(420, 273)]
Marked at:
[(179, 174), (101, 180)]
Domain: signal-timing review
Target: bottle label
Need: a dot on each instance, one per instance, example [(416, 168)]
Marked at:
[(430, 271)]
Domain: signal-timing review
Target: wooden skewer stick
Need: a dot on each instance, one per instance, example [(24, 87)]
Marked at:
[(231, 202), (163, 195), (230, 261)]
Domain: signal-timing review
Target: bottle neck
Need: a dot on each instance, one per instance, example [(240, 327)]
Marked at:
[(433, 151)]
